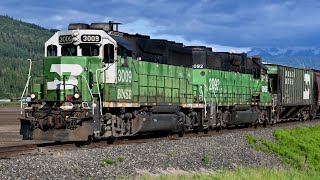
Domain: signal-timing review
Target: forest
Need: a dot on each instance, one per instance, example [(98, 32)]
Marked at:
[(19, 41)]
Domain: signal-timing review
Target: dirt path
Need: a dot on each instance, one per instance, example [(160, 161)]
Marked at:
[(10, 128)]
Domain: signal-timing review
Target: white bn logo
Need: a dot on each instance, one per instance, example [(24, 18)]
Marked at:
[(70, 82)]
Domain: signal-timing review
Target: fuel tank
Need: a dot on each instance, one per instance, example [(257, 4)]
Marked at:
[(154, 123), (243, 117)]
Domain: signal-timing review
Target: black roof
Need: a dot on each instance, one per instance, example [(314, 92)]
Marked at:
[(121, 41), (258, 62)]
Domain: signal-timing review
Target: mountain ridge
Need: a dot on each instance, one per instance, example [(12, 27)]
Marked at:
[(301, 57), (288, 52)]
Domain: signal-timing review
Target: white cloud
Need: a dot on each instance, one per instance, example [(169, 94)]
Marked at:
[(74, 16), (58, 18), (145, 27)]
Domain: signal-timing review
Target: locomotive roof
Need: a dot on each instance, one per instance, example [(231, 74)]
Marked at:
[(121, 41)]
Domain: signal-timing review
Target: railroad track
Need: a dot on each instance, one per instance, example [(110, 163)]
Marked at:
[(50, 148), (7, 152)]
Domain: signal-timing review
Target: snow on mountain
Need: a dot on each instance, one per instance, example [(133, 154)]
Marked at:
[(278, 52)]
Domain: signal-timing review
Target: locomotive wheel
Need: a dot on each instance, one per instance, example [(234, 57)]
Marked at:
[(110, 140), (218, 128), (272, 123), (182, 130), (307, 116), (301, 119), (182, 125)]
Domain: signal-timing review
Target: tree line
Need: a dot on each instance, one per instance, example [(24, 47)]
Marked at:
[(19, 41)]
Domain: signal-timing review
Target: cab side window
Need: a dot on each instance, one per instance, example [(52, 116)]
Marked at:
[(108, 53), (52, 50)]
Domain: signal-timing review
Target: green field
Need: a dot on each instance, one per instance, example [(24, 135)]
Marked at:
[(298, 148), (240, 173), (9, 104)]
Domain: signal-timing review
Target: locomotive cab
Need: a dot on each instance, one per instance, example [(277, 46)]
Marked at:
[(68, 97)]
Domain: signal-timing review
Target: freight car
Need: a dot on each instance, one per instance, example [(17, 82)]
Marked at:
[(315, 113), (98, 82), (292, 93)]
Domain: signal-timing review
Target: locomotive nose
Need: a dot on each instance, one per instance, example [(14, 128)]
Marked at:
[(64, 77)]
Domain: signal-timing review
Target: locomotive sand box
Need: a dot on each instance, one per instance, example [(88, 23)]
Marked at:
[(99, 83)]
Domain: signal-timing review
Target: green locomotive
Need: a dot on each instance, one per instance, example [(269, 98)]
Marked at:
[(98, 82)]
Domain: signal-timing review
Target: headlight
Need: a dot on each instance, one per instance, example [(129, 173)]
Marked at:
[(33, 96), (76, 95)]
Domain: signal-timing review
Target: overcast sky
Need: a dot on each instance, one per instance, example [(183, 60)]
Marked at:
[(230, 25)]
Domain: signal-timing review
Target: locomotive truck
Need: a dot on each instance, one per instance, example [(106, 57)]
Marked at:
[(98, 82)]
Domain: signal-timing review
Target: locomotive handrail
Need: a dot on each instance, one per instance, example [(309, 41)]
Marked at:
[(88, 86), (98, 88), (89, 92), (25, 90), (205, 101)]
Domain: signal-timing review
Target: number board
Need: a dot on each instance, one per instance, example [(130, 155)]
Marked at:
[(197, 66), (65, 39), (90, 38)]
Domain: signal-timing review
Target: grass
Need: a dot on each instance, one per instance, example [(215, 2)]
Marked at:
[(299, 147), (170, 154), (111, 161), (240, 173), (120, 159), (107, 161), (5, 104), (205, 159)]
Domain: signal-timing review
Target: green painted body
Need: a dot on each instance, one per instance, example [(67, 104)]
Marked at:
[(87, 64), (152, 83), (167, 84), (231, 88)]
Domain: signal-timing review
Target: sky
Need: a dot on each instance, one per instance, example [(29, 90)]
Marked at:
[(225, 25)]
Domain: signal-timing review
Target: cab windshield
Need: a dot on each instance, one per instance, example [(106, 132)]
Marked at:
[(69, 50), (90, 50)]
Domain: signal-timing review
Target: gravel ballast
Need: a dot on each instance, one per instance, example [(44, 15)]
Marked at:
[(224, 151)]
